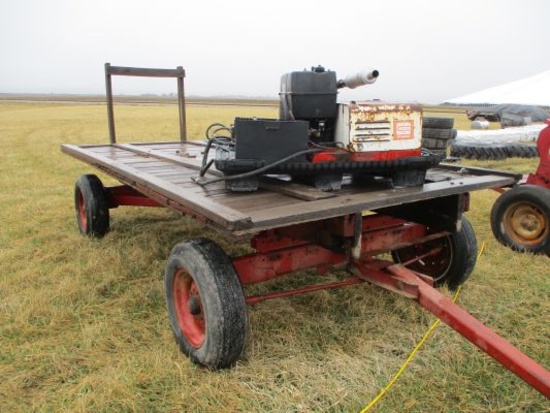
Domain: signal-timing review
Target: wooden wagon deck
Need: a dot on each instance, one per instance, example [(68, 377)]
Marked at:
[(163, 171)]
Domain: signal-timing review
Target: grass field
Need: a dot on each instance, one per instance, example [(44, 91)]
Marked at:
[(83, 325)]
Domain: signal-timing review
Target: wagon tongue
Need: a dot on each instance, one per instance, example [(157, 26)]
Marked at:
[(403, 281)]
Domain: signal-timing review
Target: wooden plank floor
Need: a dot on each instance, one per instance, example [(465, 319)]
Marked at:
[(167, 169)]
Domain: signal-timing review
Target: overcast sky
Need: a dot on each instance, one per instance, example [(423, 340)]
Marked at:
[(426, 51)]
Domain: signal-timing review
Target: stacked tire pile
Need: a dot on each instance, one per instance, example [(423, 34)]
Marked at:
[(493, 152), (437, 134)]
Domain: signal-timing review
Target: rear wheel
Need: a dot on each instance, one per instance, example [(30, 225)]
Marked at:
[(91, 206), (453, 258), (520, 219), (206, 304)]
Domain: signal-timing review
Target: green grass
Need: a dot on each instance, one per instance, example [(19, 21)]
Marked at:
[(83, 325)]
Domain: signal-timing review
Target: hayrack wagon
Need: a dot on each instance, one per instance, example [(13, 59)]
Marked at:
[(292, 227)]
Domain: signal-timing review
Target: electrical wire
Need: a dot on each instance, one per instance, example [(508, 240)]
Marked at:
[(220, 126), (415, 350), (213, 139), (224, 141), (256, 171), (328, 145)]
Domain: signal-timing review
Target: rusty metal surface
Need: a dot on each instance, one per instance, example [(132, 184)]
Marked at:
[(376, 126), (163, 171)]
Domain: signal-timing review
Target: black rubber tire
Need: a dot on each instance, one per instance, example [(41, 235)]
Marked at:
[(437, 123), (206, 304), (522, 151), (453, 265), (496, 153), (91, 206), (430, 143), (493, 152), (520, 219), (443, 134)]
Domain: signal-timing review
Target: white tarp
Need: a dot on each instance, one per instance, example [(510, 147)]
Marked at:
[(520, 134), (534, 90)]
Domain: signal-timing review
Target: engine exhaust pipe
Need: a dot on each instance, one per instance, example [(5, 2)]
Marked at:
[(364, 77)]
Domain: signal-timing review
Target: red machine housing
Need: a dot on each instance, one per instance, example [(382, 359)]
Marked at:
[(542, 176)]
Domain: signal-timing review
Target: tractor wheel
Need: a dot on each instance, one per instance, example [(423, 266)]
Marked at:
[(206, 304), (452, 264), (520, 219), (91, 206)]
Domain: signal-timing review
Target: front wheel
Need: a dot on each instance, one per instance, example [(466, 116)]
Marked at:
[(453, 258), (206, 303), (520, 219), (91, 206)]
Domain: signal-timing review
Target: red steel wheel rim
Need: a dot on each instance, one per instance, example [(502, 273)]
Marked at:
[(81, 210), (434, 265), (526, 224), (188, 307)]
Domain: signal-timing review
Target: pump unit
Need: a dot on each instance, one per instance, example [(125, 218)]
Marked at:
[(317, 140)]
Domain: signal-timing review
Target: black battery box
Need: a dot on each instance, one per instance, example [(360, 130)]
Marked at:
[(270, 140)]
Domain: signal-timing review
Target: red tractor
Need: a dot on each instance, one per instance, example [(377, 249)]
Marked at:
[(520, 217)]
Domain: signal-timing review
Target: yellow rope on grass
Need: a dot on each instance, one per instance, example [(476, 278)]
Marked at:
[(415, 350), (409, 359)]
